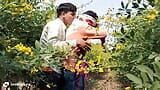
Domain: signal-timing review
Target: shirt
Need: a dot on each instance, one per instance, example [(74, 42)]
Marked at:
[(54, 32)]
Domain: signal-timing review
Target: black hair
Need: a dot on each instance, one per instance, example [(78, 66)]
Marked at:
[(92, 14), (65, 7)]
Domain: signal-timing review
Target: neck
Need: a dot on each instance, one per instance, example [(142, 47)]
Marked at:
[(61, 18)]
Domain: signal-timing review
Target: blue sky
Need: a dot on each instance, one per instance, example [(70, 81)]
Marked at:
[(99, 6)]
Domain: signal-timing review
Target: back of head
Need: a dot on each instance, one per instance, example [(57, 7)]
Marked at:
[(65, 7), (92, 14)]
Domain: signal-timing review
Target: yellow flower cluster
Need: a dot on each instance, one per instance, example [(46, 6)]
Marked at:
[(27, 6), (92, 64), (100, 70), (120, 46), (34, 69), (153, 13), (81, 68), (26, 50), (21, 9)]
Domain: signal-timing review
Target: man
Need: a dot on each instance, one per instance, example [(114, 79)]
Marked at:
[(54, 33), (79, 30)]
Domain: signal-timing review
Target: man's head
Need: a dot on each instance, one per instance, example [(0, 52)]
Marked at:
[(66, 12), (90, 17), (92, 14)]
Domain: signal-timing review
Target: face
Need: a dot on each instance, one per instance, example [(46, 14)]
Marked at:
[(69, 17)]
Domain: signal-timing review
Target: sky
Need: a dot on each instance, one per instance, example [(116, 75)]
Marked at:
[(99, 6)]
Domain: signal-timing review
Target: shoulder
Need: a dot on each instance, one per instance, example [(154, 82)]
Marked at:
[(57, 23), (54, 22)]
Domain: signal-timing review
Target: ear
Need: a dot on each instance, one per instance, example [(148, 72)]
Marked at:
[(63, 13)]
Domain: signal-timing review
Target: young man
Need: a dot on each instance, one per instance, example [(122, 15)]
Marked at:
[(79, 30), (54, 33)]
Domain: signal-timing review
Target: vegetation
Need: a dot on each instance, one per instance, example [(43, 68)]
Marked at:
[(134, 54)]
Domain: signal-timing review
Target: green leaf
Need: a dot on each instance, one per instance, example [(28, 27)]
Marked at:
[(122, 30), (139, 59), (155, 86), (157, 58), (144, 5), (126, 6), (144, 77), (37, 45), (135, 5), (132, 33), (147, 70), (135, 79), (122, 4), (153, 55), (139, 1), (156, 66)]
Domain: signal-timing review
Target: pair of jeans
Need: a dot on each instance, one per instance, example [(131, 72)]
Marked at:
[(73, 81), (54, 80)]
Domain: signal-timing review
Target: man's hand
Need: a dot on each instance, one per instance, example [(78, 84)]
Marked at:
[(83, 44), (102, 33)]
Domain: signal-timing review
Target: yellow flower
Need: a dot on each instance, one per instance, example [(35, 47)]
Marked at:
[(153, 14), (23, 4), (128, 88), (154, 11), (13, 13), (119, 46), (109, 18), (21, 9), (99, 59), (98, 20), (72, 70), (100, 70), (91, 62), (8, 48), (113, 33), (29, 7), (48, 86), (31, 54), (34, 70), (26, 53), (26, 50), (79, 70), (102, 17), (151, 17), (78, 63), (12, 5)]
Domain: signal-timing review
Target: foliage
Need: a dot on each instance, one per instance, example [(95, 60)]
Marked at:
[(140, 57), (99, 59), (136, 52), (28, 63), (23, 21)]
